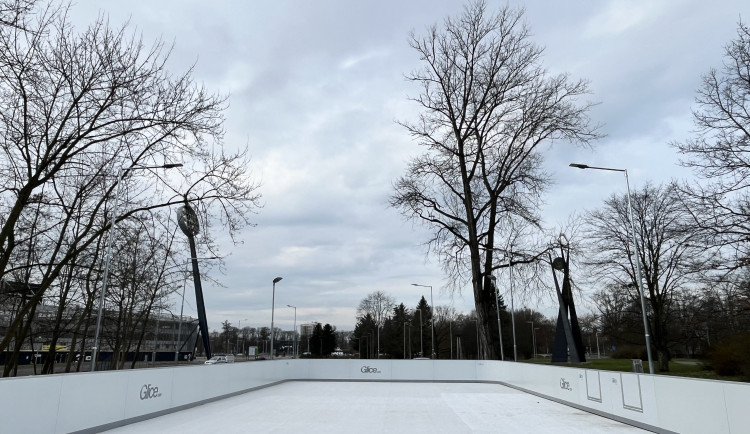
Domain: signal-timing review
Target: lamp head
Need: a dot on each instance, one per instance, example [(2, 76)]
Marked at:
[(579, 166), (558, 264), (277, 280), (187, 219)]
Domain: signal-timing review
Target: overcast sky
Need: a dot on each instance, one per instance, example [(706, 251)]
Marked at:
[(316, 87)]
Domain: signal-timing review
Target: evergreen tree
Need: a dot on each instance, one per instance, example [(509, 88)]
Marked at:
[(421, 330), (328, 340), (226, 334), (394, 338), (316, 341), (363, 334)]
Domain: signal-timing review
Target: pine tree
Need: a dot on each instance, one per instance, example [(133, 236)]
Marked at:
[(363, 334), (328, 340)]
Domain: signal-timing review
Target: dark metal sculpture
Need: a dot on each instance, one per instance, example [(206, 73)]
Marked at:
[(568, 332), (188, 221)]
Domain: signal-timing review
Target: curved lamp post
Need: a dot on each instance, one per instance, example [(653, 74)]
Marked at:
[(188, 222), (182, 308), (637, 258), (112, 226), (273, 303)]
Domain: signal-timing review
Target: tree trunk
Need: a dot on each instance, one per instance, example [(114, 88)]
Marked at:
[(487, 317), (663, 356)]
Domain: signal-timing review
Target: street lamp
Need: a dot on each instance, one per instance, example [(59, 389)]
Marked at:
[(179, 327), (156, 339), (450, 332), (112, 226), (410, 347), (637, 258), (479, 349), (273, 302), (421, 347), (432, 317), (239, 333), (533, 340), (294, 335), (377, 354), (512, 307), (404, 326), (497, 310), (370, 349)]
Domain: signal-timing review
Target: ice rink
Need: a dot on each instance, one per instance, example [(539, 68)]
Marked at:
[(381, 407)]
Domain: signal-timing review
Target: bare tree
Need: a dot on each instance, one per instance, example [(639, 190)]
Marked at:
[(669, 249), (13, 13), (79, 108), (141, 283), (378, 305), (720, 153), (619, 314), (445, 316), (487, 106)]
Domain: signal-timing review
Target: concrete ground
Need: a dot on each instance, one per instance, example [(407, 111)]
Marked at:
[(359, 407)]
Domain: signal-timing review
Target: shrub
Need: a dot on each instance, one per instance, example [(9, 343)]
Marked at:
[(731, 357), (631, 352)]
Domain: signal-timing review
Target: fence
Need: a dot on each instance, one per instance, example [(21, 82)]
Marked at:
[(90, 402)]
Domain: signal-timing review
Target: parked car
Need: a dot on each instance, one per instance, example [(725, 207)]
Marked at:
[(220, 359)]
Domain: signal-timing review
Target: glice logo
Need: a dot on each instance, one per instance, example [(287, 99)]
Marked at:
[(148, 391), (565, 385), (369, 370)]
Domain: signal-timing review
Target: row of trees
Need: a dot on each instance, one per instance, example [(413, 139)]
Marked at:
[(89, 119), (696, 319), (321, 342), (692, 289), (385, 329), (403, 333), (487, 107)]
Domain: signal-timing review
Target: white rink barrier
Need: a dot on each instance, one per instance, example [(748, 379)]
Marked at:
[(91, 402)]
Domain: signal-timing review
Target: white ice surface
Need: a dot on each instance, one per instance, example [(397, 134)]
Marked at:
[(359, 407)]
